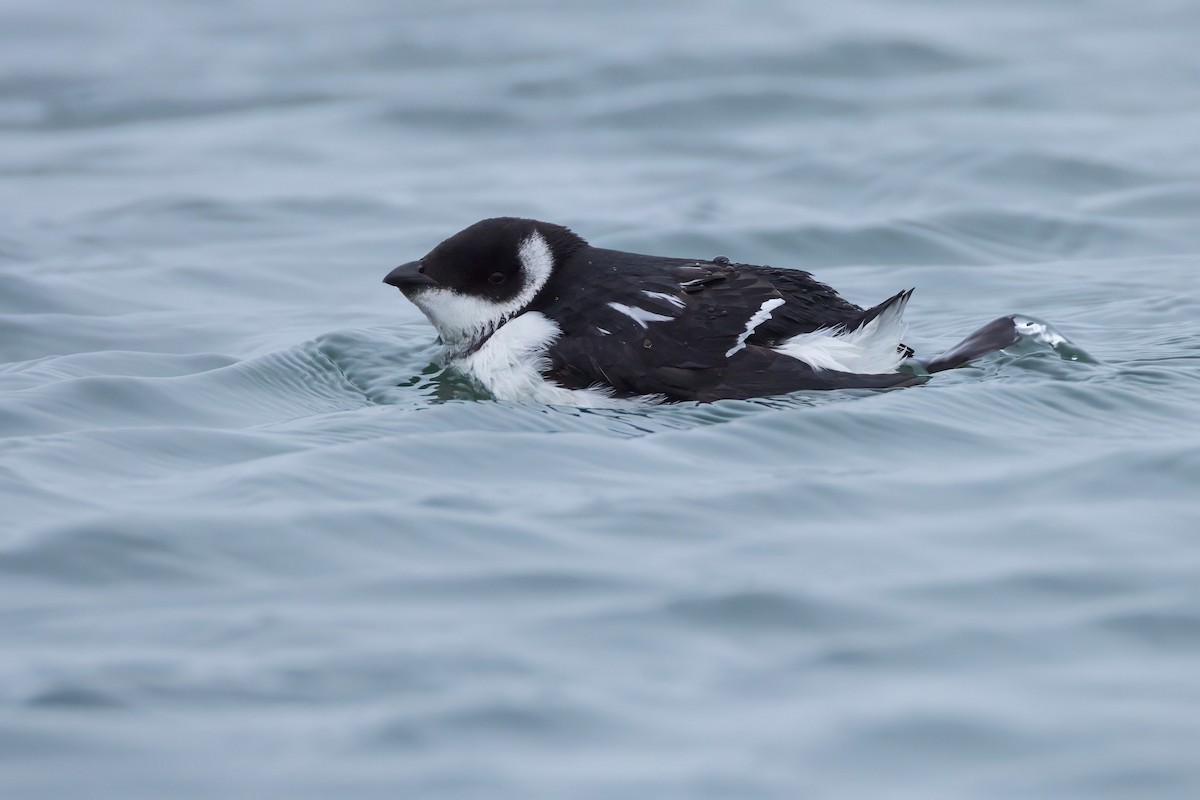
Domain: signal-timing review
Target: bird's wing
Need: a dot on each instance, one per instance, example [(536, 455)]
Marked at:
[(692, 331), (809, 305)]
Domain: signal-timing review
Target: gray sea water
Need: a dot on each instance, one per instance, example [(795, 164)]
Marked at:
[(252, 544)]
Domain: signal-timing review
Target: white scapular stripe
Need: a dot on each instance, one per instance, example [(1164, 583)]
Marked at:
[(757, 318), (666, 298), (639, 315)]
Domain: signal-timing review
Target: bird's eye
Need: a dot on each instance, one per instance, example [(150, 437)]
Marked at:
[(496, 278)]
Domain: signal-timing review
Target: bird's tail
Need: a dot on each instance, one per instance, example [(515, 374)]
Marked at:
[(893, 307), (871, 345)]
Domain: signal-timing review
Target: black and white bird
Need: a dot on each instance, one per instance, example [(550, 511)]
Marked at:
[(533, 312)]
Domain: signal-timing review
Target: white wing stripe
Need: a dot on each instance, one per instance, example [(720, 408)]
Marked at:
[(757, 318), (639, 315)]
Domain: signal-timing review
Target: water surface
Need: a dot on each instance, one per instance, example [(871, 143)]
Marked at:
[(253, 545)]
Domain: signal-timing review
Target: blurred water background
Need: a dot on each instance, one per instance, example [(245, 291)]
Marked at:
[(253, 545)]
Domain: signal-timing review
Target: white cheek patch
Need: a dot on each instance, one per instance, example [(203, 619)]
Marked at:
[(639, 315), (757, 318), (459, 318), (463, 319)]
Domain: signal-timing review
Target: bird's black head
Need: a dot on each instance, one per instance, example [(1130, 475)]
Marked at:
[(484, 275)]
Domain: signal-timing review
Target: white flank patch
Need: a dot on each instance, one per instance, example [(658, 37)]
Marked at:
[(666, 298), (511, 362), (873, 349), (639, 315), (461, 320), (757, 318)]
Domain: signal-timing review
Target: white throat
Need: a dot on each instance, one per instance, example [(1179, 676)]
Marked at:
[(464, 320)]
